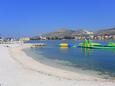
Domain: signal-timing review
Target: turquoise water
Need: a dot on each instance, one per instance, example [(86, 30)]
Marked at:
[(89, 61)]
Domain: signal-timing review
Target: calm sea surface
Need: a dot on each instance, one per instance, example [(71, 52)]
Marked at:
[(100, 62)]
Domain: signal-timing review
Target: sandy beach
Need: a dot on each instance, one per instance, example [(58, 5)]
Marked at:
[(18, 69)]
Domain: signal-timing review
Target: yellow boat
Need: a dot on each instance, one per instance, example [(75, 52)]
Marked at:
[(63, 45)]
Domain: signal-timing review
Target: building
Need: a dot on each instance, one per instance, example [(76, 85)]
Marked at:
[(113, 37), (24, 39), (43, 38), (91, 37), (9, 39), (1, 40)]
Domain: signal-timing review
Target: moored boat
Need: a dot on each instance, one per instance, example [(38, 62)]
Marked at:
[(89, 44)]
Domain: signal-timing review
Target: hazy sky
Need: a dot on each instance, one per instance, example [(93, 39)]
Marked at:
[(32, 17)]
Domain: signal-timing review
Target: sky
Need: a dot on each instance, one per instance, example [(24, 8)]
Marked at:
[(34, 17)]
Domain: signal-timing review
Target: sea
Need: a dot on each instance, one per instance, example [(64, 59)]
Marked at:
[(95, 62)]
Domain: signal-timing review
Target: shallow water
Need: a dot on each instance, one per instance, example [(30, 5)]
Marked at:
[(89, 61)]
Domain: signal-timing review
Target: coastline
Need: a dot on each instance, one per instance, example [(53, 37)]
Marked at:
[(18, 69), (31, 64)]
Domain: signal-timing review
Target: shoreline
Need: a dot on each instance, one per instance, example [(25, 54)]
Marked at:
[(17, 69), (29, 63)]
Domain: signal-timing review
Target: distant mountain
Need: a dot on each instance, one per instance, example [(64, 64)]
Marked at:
[(82, 32), (68, 34), (110, 31), (59, 33)]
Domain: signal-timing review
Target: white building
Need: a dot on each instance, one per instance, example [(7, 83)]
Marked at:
[(24, 39), (1, 39), (113, 37), (43, 38)]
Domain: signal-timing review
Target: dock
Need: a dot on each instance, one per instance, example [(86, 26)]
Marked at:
[(35, 45)]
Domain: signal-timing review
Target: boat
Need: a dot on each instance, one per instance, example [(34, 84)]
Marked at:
[(69, 45), (63, 45), (102, 47), (112, 44), (93, 44), (89, 44)]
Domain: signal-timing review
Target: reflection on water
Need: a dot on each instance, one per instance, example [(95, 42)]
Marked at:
[(86, 51), (63, 49), (113, 50)]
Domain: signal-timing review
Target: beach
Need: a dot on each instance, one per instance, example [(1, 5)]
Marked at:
[(18, 69)]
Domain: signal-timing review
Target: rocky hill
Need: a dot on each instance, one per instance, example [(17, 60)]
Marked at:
[(61, 33), (82, 32), (110, 31), (68, 34)]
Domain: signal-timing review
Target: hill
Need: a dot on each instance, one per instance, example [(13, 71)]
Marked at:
[(65, 33), (110, 31), (61, 33)]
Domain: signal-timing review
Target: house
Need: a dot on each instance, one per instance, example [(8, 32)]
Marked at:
[(1, 40), (43, 38), (113, 37), (24, 39), (91, 37), (9, 39)]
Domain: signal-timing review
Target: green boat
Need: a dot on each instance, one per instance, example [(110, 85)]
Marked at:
[(93, 44), (102, 47), (112, 44), (89, 44)]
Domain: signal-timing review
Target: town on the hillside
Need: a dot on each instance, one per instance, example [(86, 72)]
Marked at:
[(106, 34)]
